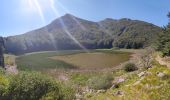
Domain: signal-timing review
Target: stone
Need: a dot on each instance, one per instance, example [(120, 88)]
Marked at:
[(141, 74), (148, 73), (101, 91), (160, 74), (114, 86), (119, 80), (91, 91), (78, 96), (119, 92), (137, 82)]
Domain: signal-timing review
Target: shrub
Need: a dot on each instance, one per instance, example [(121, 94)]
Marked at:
[(100, 82), (32, 86), (2, 71), (129, 67), (67, 92), (4, 83)]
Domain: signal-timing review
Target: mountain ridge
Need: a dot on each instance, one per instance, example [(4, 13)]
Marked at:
[(65, 32)]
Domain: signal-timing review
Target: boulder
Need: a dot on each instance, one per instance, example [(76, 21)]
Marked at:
[(160, 74)]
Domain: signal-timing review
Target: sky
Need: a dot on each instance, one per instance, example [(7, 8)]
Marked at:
[(20, 16)]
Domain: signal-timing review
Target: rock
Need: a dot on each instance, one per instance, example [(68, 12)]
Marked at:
[(136, 83), (78, 96), (114, 86), (101, 91), (91, 91), (144, 73), (147, 86), (119, 80), (141, 74), (160, 74), (148, 73), (141, 78), (86, 89), (119, 92)]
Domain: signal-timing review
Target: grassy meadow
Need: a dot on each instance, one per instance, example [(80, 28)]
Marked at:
[(71, 59), (94, 60)]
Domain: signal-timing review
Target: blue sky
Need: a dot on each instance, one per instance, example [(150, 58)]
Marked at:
[(20, 16)]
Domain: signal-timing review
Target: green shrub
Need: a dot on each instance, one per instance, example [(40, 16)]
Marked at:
[(2, 71), (67, 92), (129, 67), (100, 82), (4, 83), (32, 86)]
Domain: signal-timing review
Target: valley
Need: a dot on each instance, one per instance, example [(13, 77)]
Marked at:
[(84, 50)]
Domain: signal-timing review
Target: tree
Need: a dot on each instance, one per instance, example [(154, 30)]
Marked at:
[(163, 42), (1, 52), (146, 57)]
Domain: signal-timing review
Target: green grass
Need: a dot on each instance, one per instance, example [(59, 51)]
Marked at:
[(42, 61)]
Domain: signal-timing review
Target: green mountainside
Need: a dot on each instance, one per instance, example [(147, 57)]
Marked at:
[(68, 32)]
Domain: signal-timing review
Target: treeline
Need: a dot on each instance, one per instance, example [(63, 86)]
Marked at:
[(163, 42)]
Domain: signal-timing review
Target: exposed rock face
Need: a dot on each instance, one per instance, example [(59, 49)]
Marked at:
[(1, 52)]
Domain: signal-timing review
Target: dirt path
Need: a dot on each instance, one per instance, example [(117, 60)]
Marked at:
[(163, 61)]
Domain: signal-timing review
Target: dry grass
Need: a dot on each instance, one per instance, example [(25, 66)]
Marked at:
[(94, 60)]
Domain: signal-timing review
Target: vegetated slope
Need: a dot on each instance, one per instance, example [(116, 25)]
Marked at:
[(68, 32), (150, 84)]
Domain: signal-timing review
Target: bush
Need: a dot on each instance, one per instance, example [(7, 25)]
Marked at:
[(2, 71), (32, 86), (129, 67), (100, 82), (68, 93), (4, 83)]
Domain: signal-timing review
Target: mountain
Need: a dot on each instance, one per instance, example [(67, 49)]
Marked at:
[(70, 32)]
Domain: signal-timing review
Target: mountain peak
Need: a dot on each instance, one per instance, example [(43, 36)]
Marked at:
[(68, 16)]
